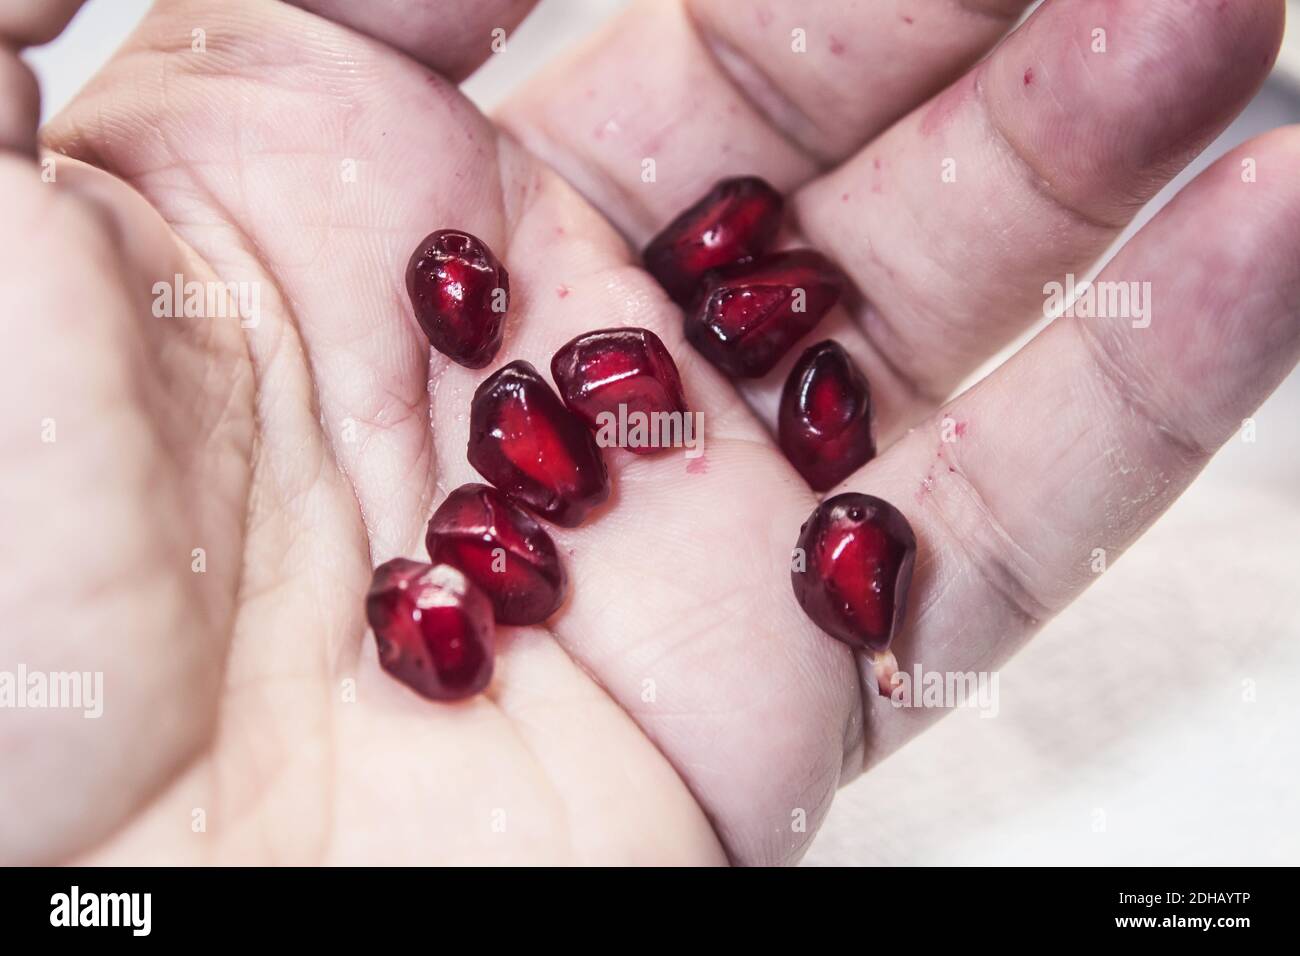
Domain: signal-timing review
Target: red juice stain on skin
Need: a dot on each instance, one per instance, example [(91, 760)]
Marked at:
[(927, 485), (1029, 76), (562, 292), (961, 429), (697, 466), (908, 20), (837, 46), (844, 197)]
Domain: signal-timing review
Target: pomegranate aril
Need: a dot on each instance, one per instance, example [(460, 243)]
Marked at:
[(824, 423), (748, 316), (852, 569), (737, 220), (523, 440), (502, 550), (460, 293), (433, 628), (600, 371)]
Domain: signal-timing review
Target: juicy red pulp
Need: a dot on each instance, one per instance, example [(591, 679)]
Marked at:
[(600, 371), (858, 552), (433, 628), (453, 281), (525, 442), (502, 550), (734, 222), (824, 422), (748, 316)]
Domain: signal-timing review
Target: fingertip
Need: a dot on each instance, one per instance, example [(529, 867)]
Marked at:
[(20, 105), (1115, 97)]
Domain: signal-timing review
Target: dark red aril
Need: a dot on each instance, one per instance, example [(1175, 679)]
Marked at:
[(433, 628), (600, 371), (460, 293), (748, 316), (824, 424), (502, 550), (737, 220), (523, 440), (852, 568)]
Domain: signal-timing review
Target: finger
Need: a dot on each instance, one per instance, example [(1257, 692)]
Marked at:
[(1025, 170), (331, 180), (451, 36), (884, 58), (107, 598), (112, 617), (25, 23), (33, 22), (713, 88), (1072, 449)]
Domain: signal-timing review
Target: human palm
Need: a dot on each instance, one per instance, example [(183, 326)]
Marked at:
[(194, 507)]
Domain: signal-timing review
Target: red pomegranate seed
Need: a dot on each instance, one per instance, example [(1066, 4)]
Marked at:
[(748, 316), (599, 371), (735, 222), (460, 293), (502, 550), (857, 554), (824, 425), (433, 628), (524, 441)]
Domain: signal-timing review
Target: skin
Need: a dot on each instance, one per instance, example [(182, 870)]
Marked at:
[(679, 708)]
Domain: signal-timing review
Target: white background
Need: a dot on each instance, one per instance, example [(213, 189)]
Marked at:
[(1125, 734)]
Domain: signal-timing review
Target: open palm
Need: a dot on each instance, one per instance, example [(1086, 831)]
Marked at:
[(193, 507)]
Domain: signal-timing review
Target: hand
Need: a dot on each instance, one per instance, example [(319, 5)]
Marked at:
[(193, 507)]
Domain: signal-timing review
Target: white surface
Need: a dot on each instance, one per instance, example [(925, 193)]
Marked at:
[(1127, 732)]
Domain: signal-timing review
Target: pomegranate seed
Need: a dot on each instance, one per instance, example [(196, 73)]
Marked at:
[(599, 371), (824, 425), (857, 556), (433, 628), (460, 293), (502, 550), (735, 222), (748, 316), (524, 441)]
